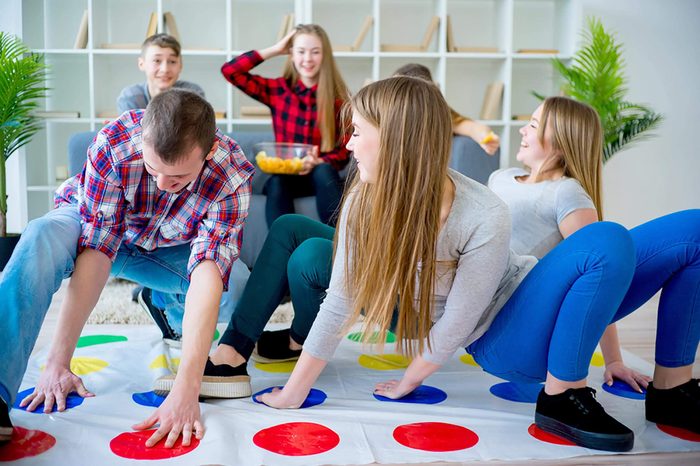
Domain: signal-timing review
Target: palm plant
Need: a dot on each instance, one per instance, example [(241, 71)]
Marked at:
[(595, 76), (22, 75)]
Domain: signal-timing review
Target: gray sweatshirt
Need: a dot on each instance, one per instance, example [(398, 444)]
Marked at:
[(476, 275)]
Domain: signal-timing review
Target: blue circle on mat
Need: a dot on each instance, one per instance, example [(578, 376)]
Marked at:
[(148, 399), (315, 397), (624, 390), (517, 391), (72, 400), (425, 394)]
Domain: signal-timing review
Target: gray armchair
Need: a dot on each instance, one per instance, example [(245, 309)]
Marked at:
[(467, 158)]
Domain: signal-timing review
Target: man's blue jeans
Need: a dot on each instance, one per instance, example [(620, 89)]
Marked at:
[(46, 254)]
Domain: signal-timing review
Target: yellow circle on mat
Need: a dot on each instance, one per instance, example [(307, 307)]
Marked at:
[(161, 362), (468, 359), (277, 367), (83, 365), (383, 362), (597, 360)]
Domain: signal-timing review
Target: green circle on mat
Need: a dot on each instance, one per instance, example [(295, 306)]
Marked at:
[(216, 334), (357, 336), (92, 340)]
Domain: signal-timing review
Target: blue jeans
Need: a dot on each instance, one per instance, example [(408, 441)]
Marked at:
[(324, 182), (46, 254), (595, 277)]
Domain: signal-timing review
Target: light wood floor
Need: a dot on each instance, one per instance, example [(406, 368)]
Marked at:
[(637, 333)]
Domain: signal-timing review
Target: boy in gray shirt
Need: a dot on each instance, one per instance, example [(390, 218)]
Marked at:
[(161, 61)]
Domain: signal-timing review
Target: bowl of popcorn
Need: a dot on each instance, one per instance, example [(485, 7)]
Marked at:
[(281, 158)]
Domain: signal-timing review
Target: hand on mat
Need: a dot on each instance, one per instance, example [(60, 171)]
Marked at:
[(618, 370), (278, 398), (179, 414), (395, 389), (54, 385)]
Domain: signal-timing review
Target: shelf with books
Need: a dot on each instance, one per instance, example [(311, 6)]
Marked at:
[(471, 44), (467, 83)]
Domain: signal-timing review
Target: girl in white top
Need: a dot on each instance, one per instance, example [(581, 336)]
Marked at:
[(559, 194)]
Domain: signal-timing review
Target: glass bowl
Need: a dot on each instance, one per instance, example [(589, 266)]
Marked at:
[(280, 158)]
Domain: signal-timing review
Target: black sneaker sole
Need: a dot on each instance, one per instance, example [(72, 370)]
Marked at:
[(212, 387), (662, 419), (595, 441)]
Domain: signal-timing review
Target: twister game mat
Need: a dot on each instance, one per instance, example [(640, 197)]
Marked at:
[(460, 414)]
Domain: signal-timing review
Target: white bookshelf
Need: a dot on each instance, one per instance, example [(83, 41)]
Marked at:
[(213, 31)]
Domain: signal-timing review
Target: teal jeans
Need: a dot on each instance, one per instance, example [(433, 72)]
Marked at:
[(296, 258)]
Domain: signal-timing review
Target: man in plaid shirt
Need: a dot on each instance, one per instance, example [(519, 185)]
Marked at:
[(161, 201)]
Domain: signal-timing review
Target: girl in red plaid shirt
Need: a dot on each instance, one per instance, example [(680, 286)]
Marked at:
[(305, 103)]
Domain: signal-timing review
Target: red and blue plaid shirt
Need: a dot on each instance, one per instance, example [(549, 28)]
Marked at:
[(294, 112), (119, 200)]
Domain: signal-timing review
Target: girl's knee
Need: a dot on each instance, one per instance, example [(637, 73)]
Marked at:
[(311, 259)]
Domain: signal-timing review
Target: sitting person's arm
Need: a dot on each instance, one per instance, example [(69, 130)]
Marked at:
[(482, 134)]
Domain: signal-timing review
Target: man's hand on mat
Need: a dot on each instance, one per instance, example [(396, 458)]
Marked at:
[(54, 385), (618, 370), (395, 389), (179, 414), (280, 399)]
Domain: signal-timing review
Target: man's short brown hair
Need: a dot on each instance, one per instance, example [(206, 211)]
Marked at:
[(177, 120), (164, 41)]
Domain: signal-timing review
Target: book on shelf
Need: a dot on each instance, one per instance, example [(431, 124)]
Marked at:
[(170, 25), (81, 38), (255, 111), (422, 47), (551, 51), (108, 114), (219, 114), (523, 117), (152, 25), (491, 107), (286, 26), (430, 32), (451, 47), (57, 114), (357, 43), (475, 49)]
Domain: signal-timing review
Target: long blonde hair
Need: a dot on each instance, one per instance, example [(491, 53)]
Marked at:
[(393, 223), (578, 136), (331, 86)]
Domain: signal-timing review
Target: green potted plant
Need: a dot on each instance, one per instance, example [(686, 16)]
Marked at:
[(595, 76), (22, 84)]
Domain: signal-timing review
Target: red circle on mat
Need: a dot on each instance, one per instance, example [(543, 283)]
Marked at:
[(435, 436), (679, 433), (297, 439), (133, 445), (540, 434), (26, 443)]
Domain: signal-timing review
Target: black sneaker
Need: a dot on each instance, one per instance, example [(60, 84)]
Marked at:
[(678, 406), (5, 423), (577, 416), (222, 381), (273, 346), (158, 316)]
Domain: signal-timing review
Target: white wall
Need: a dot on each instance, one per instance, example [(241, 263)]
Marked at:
[(662, 174)]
